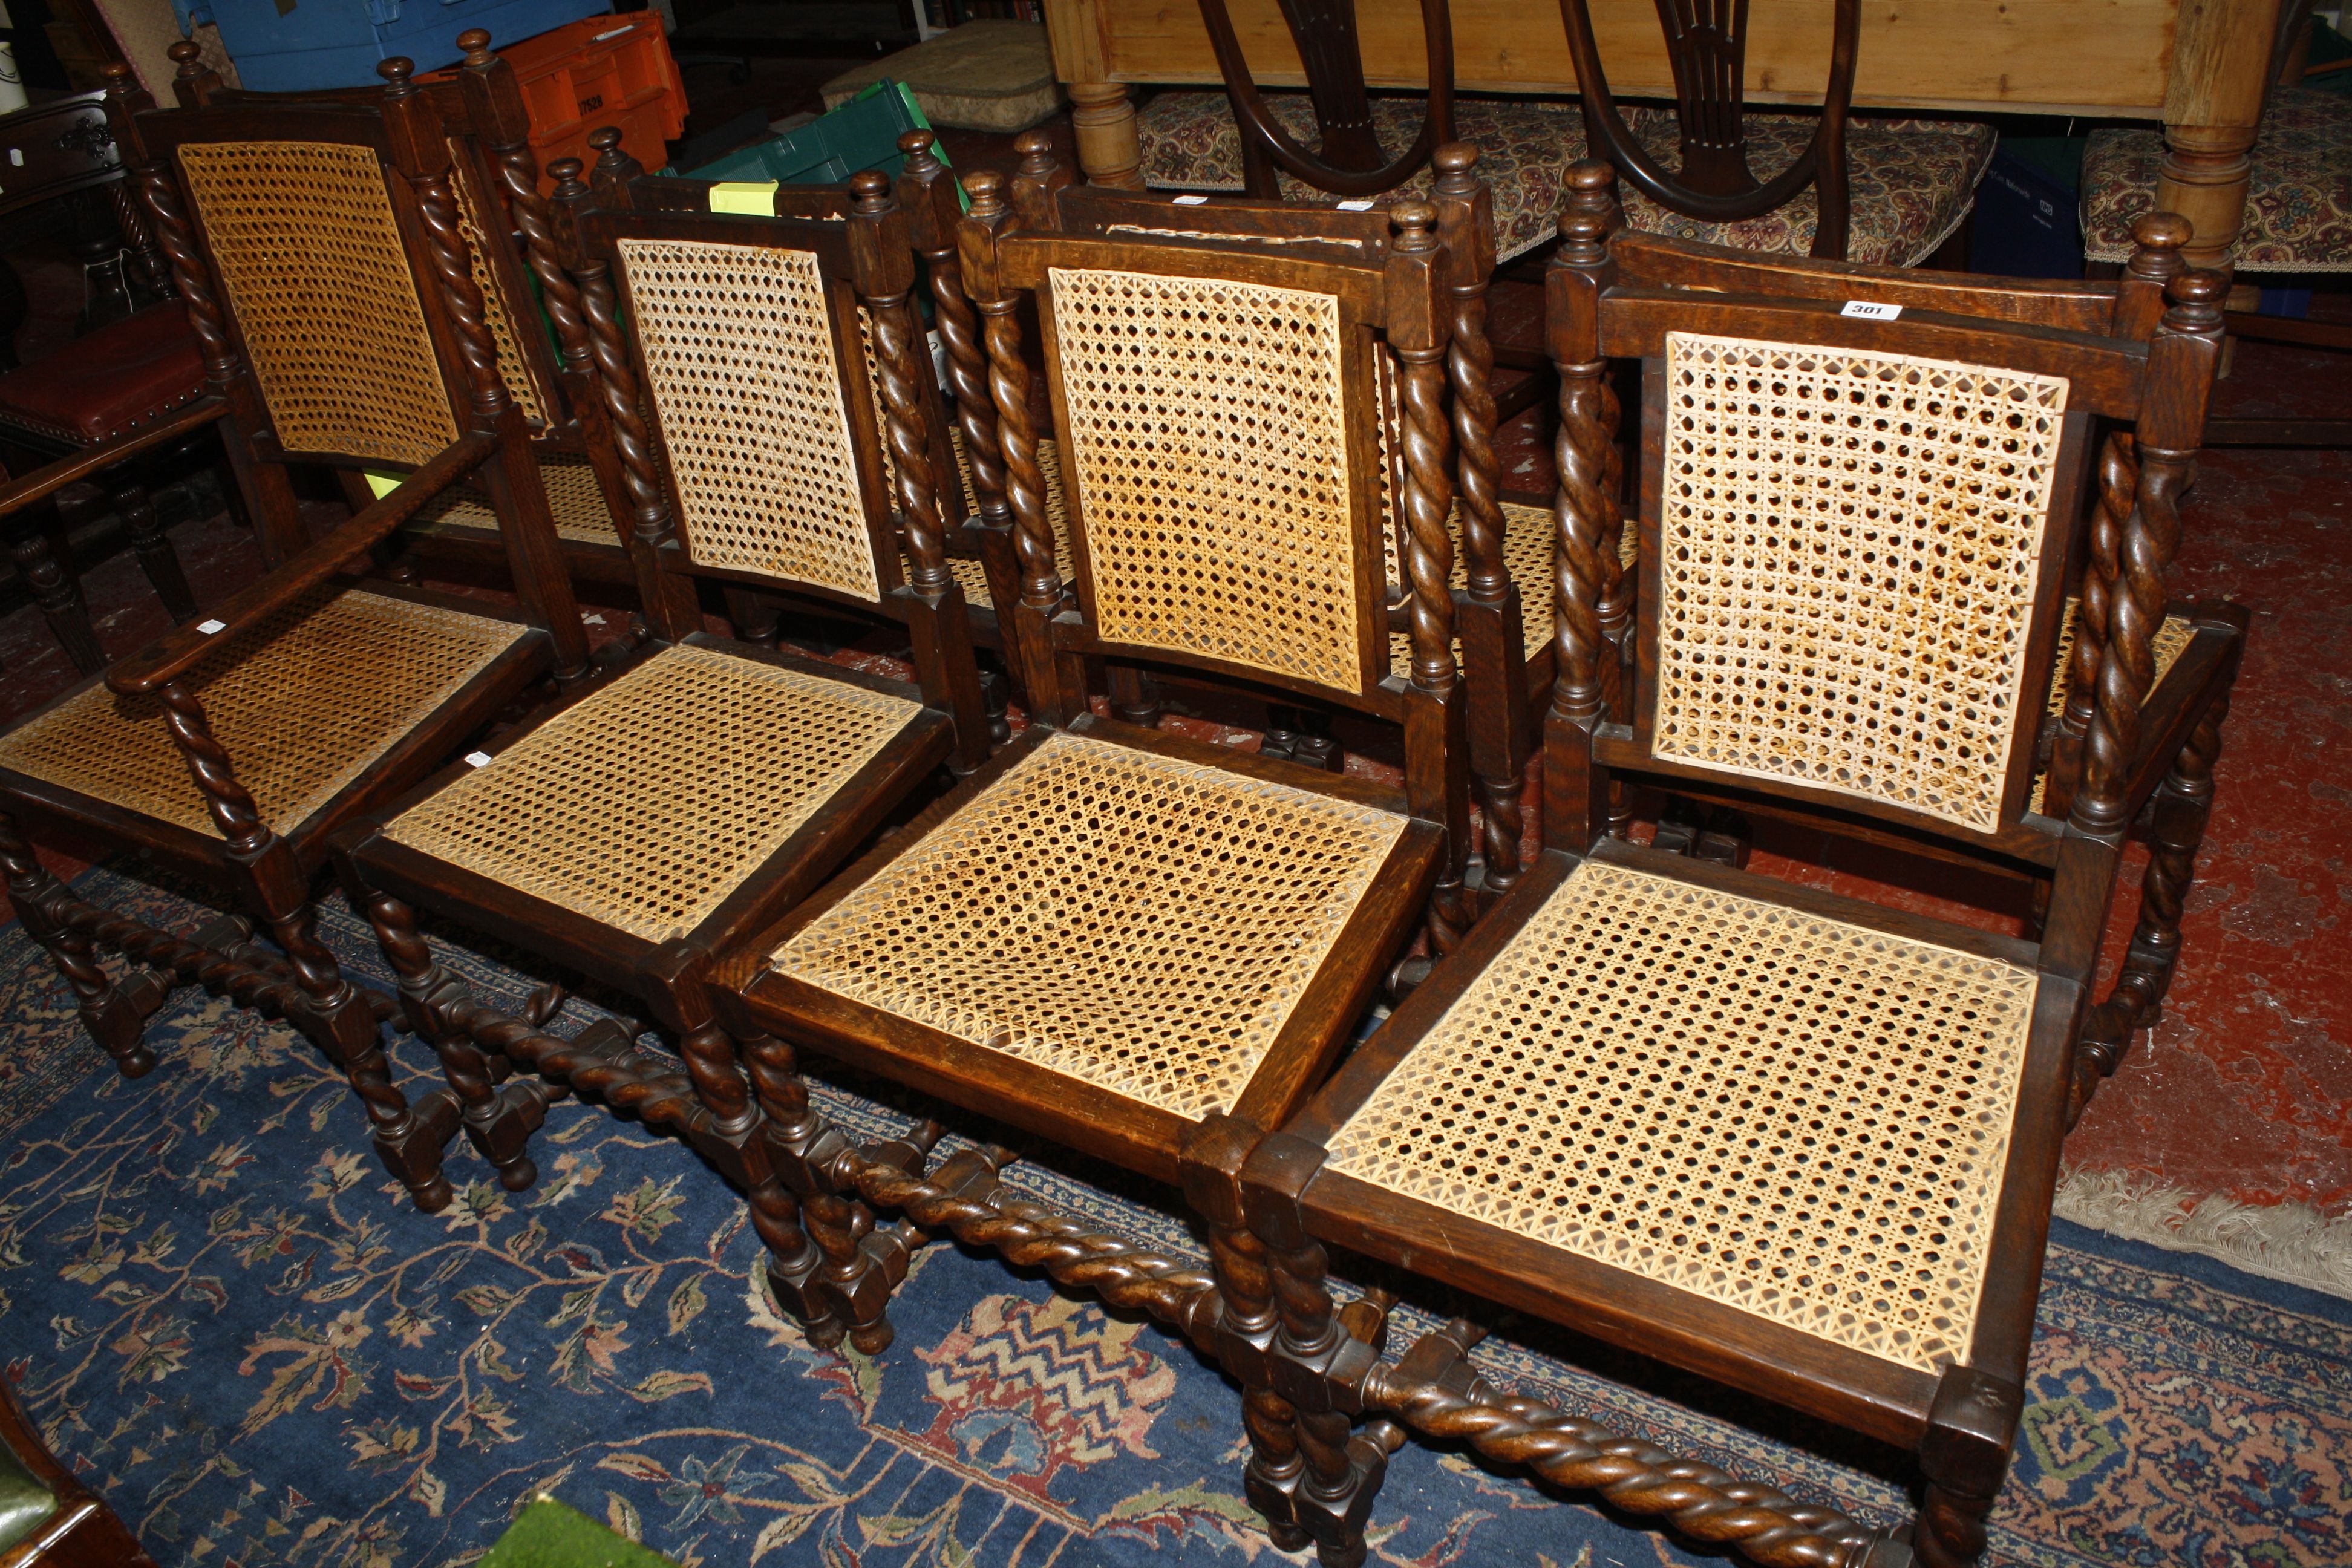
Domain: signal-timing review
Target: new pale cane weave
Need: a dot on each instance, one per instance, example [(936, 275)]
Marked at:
[(1800, 1119), (1204, 434), (740, 362), (573, 496), (1132, 920), (1848, 554), (643, 806), (2173, 635), (521, 384), (303, 702), (303, 236)]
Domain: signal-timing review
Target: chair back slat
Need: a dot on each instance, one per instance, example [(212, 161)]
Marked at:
[(750, 375), (1204, 425), (303, 233)]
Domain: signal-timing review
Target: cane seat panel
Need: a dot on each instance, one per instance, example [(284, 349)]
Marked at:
[(1792, 1116), (573, 496), (1848, 549), (739, 358), (305, 241), (1133, 920), (302, 702), (1203, 435), (642, 807)]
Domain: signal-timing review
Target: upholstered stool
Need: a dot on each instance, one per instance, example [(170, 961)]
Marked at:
[(982, 75)]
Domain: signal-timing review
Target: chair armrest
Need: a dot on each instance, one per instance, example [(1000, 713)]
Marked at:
[(50, 478), (175, 653)]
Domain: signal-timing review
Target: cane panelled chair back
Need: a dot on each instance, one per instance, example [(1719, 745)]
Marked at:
[(1801, 1144), (507, 225), (740, 357)]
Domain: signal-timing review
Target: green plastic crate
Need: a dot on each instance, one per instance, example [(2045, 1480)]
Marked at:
[(861, 135)]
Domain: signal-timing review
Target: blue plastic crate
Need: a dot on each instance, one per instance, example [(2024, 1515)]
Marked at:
[(304, 44)]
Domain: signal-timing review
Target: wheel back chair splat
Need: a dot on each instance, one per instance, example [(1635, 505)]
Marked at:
[(304, 241), (127, 369), (1886, 191), (1800, 1145), (1198, 928), (975, 528), (1500, 537), (707, 785), (508, 225)]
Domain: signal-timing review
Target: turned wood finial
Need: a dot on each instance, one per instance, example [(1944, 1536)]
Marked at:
[(396, 72), (2196, 298), (1454, 159), (476, 43), (565, 172), (917, 146), (185, 54), (1037, 159), (986, 189), (870, 191), (1416, 226), (1591, 213)]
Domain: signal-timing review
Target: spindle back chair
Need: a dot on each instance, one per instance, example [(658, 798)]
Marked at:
[(304, 240), (1801, 1144), (1197, 929), (708, 784)]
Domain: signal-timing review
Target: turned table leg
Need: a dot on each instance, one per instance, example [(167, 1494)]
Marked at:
[(1104, 120)]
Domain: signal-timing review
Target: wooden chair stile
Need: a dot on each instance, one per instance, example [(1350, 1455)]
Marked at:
[(1796, 1143), (708, 784), (304, 699), (1111, 1021)]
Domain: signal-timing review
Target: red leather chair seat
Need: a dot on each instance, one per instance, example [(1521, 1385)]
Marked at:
[(124, 375)]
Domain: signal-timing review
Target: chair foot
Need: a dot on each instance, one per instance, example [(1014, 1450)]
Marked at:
[(501, 1130), (411, 1149), (118, 1021)]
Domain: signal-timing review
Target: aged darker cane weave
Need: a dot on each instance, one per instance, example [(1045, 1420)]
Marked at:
[(304, 237)]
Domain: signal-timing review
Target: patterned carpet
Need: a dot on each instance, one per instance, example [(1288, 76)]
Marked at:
[(224, 1316)]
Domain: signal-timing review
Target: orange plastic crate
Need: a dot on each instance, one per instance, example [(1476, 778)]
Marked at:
[(603, 70)]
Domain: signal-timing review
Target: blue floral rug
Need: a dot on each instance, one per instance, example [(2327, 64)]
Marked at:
[(227, 1317)]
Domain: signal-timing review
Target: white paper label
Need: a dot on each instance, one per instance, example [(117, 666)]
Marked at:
[(212, 628), (1870, 311), (1191, 201), (1355, 207), (477, 759)]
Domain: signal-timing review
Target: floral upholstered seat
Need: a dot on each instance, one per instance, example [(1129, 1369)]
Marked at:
[(1912, 181), (2298, 201)]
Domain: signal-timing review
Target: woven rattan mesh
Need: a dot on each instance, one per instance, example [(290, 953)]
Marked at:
[(739, 352), (1132, 920), (574, 497), (303, 702), (2173, 635), (304, 239), (1527, 556), (512, 369), (1204, 434), (1848, 547), (645, 805), (1798, 1118)]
